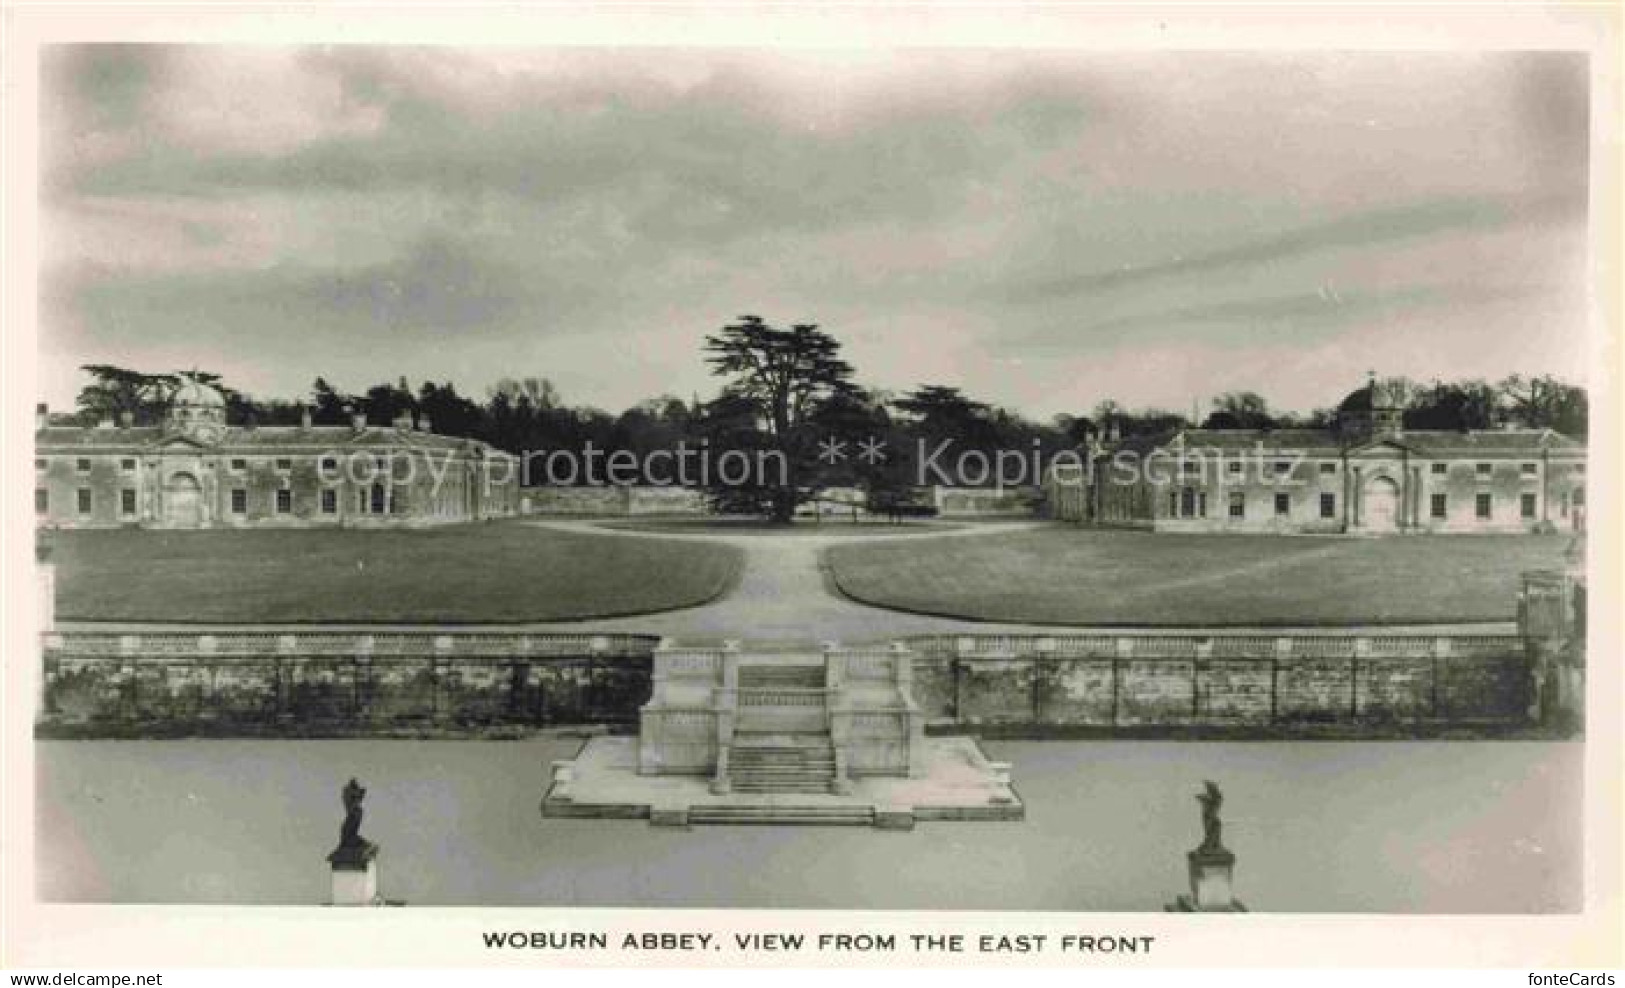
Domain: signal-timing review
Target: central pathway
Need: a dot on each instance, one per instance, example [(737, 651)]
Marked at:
[(784, 591)]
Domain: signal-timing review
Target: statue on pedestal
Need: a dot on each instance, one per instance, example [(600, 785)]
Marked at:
[(1212, 829), (1211, 864)]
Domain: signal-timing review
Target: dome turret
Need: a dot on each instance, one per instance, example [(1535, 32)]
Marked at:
[(198, 410), (1376, 409)]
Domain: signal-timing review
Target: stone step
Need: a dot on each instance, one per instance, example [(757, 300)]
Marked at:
[(851, 816), (792, 773), (783, 751), (738, 771)]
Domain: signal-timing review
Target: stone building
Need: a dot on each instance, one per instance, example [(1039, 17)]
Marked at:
[(1368, 474), (196, 471)]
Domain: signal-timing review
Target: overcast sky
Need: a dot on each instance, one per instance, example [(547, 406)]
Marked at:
[(1043, 230)]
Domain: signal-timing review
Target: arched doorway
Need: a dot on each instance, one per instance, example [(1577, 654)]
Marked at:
[(183, 502), (1382, 506)]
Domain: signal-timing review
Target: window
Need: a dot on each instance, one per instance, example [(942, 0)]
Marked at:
[(1326, 468), (1234, 466), (39, 464), (239, 501), (1238, 504), (1280, 468), (1201, 503), (126, 502), (397, 501), (284, 501), (378, 499), (42, 501), (127, 465), (1580, 469), (329, 464), (1579, 497), (1527, 469), (1190, 468), (1328, 505), (1481, 506), (1526, 506), (82, 465), (330, 501), (239, 465), (1439, 505), (1283, 505), (361, 502), (1483, 469), (284, 464), (1439, 469), (1187, 502), (84, 500)]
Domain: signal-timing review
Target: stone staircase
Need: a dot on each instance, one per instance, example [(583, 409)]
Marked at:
[(782, 698), (781, 750), (776, 763), (785, 732)]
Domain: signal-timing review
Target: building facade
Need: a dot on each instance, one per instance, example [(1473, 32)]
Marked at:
[(197, 472), (1366, 475)]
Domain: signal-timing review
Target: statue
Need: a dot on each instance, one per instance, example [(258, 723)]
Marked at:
[(1211, 865), (354, 861), (1211, 799), (350, 830)]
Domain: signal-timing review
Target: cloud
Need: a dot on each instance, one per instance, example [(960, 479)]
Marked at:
[(1369, 228), (392, 208), (1292, 316)]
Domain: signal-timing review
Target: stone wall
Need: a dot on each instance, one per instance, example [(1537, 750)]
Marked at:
[(612, 501), (986, 502), (1224, 681), (108, 685)]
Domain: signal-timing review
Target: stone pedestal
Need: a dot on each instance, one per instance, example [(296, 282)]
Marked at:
[(355, 875), (1211, 873)]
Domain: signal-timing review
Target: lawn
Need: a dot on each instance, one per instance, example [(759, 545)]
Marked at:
[(1064, 575), (464, 574)]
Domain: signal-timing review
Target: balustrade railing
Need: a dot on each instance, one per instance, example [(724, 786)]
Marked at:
[(777, 696)]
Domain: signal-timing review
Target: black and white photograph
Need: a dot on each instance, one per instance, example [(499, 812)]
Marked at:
[(1043, 478)]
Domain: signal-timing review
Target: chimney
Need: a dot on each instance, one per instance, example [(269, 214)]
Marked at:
[(126, 419), (42, 416), (358, 419), (423, 422), (304, 417)]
